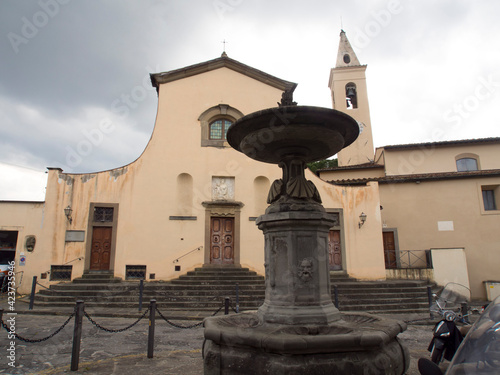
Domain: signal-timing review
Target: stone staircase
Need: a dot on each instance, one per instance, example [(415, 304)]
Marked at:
[(205, 289)]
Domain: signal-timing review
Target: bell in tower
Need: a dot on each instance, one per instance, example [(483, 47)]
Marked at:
[(351, 96)]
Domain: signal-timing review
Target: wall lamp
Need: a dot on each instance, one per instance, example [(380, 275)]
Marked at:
[(362, 219), (68, 211)]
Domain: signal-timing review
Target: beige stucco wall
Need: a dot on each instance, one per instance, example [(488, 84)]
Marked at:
[(439, 159), (364, 246), (450, 266), (147, 192), (425, 213), (26, 218)]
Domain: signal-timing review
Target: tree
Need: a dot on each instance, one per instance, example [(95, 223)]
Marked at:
[(322, 164)]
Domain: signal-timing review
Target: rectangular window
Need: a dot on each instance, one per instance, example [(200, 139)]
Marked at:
[(135, 272), (103, 214), (60, 273), (489, 200)]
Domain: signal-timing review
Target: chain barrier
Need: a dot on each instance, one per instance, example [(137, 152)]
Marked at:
[(186, 327), (34, 341), (177, 325), (114, 330), (234, 310)]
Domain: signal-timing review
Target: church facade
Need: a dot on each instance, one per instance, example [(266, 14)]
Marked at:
[(189, 200)]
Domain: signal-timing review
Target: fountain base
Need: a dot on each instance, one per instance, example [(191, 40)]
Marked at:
[(354, 344)]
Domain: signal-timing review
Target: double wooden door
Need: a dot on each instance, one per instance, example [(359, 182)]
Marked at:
[(100, 254), (222, 240)]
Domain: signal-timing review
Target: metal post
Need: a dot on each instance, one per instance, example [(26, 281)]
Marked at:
[(336, 296), (429, 297), (226, 306), (141, 290), (151, 333), (32, 296), (237, 298), (77, 336)]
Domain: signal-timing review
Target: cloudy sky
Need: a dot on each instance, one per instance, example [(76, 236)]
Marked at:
[(74, 74)]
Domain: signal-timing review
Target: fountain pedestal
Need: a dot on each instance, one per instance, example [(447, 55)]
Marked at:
[(298, 330), (297, 275)]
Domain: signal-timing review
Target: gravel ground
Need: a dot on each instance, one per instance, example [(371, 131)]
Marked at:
[(177, 351)]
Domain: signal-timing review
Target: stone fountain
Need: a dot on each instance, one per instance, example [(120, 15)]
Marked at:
[(298, 330)]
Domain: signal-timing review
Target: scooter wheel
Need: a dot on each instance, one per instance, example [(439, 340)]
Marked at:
[(436, 355)]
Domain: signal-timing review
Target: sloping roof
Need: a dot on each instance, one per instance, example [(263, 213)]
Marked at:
[(419, 177), (462, 142), (221, 62), (350, 167)]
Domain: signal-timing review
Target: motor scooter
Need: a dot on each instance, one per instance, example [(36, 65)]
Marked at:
[(446, 338), (446, 335), (479, 353)]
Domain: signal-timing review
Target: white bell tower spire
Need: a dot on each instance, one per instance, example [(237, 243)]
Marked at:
[(349, 95)]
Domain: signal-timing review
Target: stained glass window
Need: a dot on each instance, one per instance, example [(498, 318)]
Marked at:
[(219, 128)]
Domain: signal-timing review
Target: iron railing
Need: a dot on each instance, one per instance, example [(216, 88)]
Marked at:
[(189, 252), (405, 259)]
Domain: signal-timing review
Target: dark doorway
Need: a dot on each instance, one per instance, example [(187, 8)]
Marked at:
[(8, 244)]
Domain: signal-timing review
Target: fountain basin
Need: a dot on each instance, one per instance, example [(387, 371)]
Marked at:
[(356, 344), (305, 132)]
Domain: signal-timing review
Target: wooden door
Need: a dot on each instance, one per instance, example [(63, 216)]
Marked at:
[(334, 250), (100, 253), (389, 250), (222, 240)]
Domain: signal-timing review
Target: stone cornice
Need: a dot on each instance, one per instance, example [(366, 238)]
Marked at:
[(221, 62)]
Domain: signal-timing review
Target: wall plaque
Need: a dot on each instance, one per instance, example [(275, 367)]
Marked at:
[(75, 236), (222, 188)]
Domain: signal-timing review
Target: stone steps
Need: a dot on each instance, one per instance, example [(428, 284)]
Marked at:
[(133, 299), (205, 289), (148, 293)]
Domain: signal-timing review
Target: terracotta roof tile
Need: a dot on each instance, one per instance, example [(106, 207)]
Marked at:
[(419, 177), (442, 143), (357, 166)]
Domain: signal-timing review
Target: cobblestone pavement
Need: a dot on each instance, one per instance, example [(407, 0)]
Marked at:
[(177, 351)]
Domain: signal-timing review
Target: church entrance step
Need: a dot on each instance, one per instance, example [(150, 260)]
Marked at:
[(205, 288)]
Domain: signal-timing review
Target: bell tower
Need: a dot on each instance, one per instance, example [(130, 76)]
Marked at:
[(349, 95)]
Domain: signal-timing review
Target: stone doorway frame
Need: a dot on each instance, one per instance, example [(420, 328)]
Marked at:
[(222, 209), (90, 225), (339, 225)]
